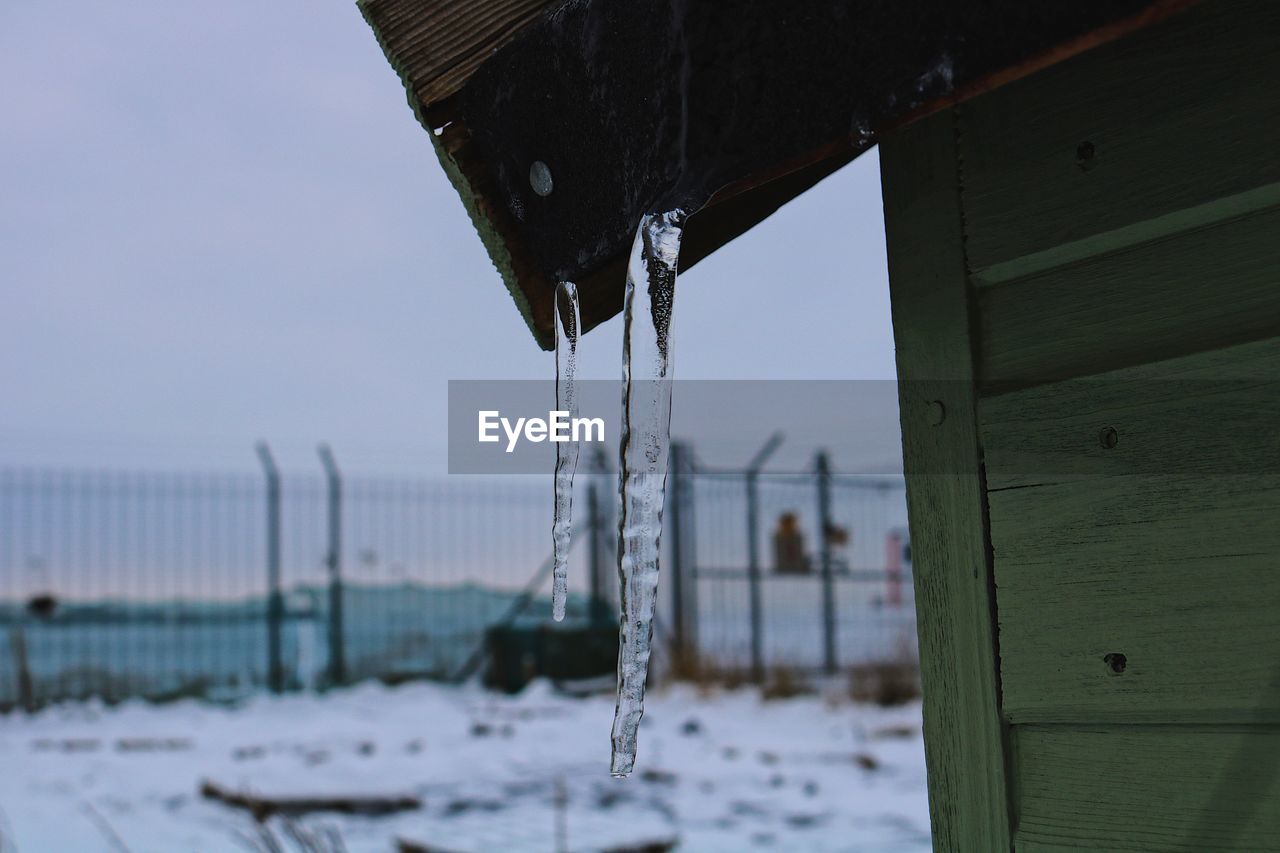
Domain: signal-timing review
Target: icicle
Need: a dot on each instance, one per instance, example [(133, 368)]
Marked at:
[(646, 427), (567, 326)]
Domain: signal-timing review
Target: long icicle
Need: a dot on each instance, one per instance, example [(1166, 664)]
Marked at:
[(567, 325), (646, 429)]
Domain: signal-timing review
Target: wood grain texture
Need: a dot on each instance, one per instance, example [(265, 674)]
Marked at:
[(1164, 547), (1211, 413), (436, 46), (964, 735), (1170, 789), (1174, 116), (1134, 306)]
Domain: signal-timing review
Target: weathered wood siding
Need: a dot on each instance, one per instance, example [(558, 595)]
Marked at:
[(964, 736), (1106, 237)]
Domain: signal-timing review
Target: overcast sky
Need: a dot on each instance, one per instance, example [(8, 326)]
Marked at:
[(220, 222)]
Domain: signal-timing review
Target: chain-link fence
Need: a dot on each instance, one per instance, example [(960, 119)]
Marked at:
[(163, 585)]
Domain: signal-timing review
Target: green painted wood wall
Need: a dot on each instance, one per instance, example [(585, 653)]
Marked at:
[(1085, 272)]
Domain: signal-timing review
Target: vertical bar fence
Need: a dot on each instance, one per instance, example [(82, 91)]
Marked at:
[(162, 585)]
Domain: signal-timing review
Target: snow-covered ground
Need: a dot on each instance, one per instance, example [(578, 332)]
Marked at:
[(717, 770)]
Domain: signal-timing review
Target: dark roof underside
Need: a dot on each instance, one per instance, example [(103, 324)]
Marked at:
[(726, 110)]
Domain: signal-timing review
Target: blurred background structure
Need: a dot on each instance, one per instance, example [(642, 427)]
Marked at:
[(282, 256), (163, 585)]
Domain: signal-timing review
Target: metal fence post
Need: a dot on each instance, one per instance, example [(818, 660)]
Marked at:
[(18, 647), (753, 578), (333, 561), (684, 604), (596, 613), (825, 527), (275, 600), (753, 554), (602, 561)]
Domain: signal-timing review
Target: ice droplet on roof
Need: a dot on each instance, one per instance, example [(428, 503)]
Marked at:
[(645, 439), (567, 325)]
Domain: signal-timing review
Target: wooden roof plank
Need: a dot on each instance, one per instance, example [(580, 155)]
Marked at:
[(437, 46), (725, 113)]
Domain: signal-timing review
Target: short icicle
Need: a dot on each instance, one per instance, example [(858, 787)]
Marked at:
[(646, 428), (567, 326)]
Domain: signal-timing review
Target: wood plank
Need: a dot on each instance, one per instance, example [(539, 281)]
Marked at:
[(649, 845), (1212, 413), (964, 735), (502, 81), (1145, 542), (1165, 789), (1175, 116), (1180, 575), (435, 47), (1132, 306), (1159, 227), (262, 806)]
